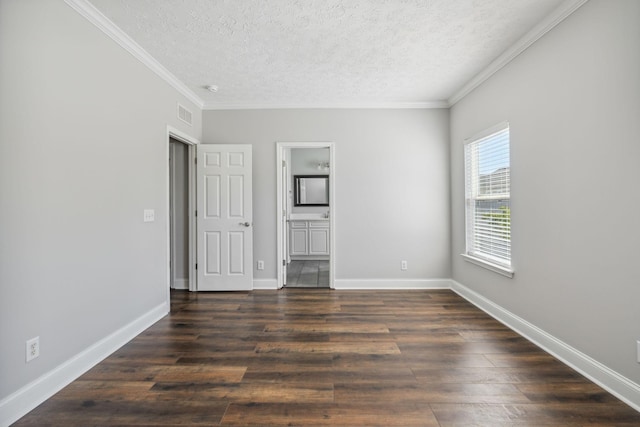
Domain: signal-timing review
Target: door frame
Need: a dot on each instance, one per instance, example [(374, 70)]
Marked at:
[(191, 143), (280, 156)]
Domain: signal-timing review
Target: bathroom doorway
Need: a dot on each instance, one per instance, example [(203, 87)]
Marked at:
[(306, 211)]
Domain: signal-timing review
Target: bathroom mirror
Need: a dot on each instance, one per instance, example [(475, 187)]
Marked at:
[(311, 190)]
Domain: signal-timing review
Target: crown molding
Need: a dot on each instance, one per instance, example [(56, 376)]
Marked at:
[(353, 106), (546, 25), (93, 15)]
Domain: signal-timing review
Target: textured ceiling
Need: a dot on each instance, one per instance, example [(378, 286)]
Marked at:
[(280, 53)]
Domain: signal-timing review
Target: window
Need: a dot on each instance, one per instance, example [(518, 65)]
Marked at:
[(487, 194)]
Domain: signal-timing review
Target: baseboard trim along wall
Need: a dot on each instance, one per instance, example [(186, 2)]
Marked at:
[(181, 284), (265, 284), (618, 385), (392, 284), (18, 404)]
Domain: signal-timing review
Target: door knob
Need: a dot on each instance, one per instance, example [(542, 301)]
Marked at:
[(245, 224)]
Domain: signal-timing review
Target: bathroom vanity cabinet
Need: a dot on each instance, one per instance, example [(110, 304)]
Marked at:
[(309, 239)]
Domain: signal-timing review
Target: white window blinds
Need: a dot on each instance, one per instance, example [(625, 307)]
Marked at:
[(487, 193)]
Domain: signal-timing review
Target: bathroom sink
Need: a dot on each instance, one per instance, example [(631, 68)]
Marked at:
[(307, 216)]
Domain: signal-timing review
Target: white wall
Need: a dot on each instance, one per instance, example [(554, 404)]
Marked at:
[(573, 104), (391, 172), (83, 151)]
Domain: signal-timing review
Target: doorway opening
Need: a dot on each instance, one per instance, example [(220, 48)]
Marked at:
[(179, 214), (181, 152), (306, 212)]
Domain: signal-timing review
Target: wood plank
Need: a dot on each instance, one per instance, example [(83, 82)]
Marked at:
[(106, 390), (494, 375), (431, 393), (332, 375), (338, 414), (477, 347), (329, 347), (249, 391), (315, 327), (203, 373), (532, 360), (265, 360), (566, 392), (566, 415), (84, 412)]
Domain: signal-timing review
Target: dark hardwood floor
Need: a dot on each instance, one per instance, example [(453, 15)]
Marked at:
[(320, 357)]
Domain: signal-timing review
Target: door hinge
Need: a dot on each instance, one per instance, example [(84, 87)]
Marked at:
[(196, 213), (284, 164), (284, 263), (195, 160), (196, 266)]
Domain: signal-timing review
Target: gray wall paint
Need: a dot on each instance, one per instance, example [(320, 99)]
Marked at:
[(83, 151), (304, 161), (573, 103), (391, 172)]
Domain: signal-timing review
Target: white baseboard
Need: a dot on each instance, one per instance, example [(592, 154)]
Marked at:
[(261, 284), (19, 403), (392, 284), (180, 284), (618, 385)]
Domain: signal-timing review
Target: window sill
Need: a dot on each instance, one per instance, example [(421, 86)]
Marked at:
[(489, 266)]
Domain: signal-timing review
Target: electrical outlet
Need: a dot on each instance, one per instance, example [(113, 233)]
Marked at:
[(33, 348), (260, 265), (403, 265), (149, 215)]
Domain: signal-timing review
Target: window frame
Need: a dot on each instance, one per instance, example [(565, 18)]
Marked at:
[(468, 255)]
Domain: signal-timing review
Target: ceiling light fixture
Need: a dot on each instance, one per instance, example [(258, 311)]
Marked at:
[(323, 166), (211, 88)]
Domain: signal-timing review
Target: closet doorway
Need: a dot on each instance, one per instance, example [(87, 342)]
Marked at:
[(306, 211), (181, 251)]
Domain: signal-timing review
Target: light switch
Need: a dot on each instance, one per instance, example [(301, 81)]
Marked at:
[(149, 215)]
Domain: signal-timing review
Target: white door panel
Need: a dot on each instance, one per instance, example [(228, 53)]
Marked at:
[(225, 235), (212, 192)]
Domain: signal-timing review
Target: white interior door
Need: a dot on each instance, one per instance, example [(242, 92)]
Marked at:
[(224, 218)]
